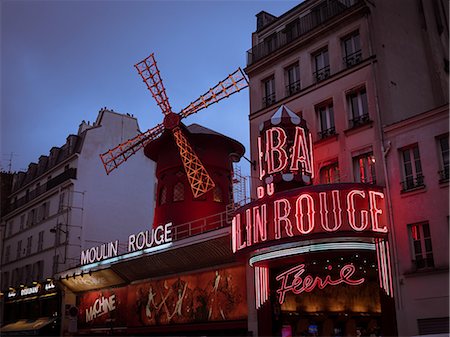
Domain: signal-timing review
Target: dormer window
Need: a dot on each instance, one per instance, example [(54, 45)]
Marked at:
[(178, 192), (163, 195)]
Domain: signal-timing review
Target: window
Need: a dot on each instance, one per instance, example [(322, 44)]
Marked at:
[(40, 241), (61, 201), (7, 253), (43, 211), (178, 192), (163, 195), (358, 108), (321, 65), (270, 42), (217, 194), (326, 118), (292, 74), (444, 158), (10, 227), (412, 168), (269, 92), (19, 249), (422, 251), (22, 221), (364, 168), (28, 274), (5, 280), (29, 243), (351, 49), (329, 174)]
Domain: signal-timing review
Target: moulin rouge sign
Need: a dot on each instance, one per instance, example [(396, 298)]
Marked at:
[(286, 155)]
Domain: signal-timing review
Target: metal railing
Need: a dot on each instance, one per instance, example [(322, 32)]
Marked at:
[(444, 174), (352, 59), (305, 24), (327, 133), (411, 183), (359, 120), (71, 173), (201, 226), (292, 88), (322, 74), (269, 100)]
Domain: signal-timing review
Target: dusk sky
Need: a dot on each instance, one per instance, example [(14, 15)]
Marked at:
[(61, 61)]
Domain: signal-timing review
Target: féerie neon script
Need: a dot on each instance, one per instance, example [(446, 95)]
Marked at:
[(293, 280)]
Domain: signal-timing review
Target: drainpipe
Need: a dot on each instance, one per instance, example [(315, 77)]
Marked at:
[(385, 151)]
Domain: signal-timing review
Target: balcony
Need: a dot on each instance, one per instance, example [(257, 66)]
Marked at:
[(444, 175), (269, 100), (71, 173), (292, 88), (305, 24), (327, 133), (359, 120), (352, 59), (322, 74), (412, 183)]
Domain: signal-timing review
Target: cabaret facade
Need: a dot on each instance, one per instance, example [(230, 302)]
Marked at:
[(346, 211)]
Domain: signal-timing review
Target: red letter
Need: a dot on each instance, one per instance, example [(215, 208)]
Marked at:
[(271, 148), (374, 211), (285, 217), (351, 211), (260, 225), (300, 152), (299, 213), (262, 172), (337, 211), (237, 233)]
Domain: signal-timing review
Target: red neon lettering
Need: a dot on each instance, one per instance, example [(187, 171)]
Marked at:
[(374, 211), (337, 211), (260, 223), (351, 211), (239, 244), (300, 152), (271, 149), (292, 280), (299, 214), (260, 192), (248, 218), (285, 217), (262, 172)]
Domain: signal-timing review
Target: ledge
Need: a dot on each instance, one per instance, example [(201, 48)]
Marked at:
[(327, 140), (359, 128), (413, 191)]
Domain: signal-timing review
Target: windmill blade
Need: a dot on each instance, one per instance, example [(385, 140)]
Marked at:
[(149, 72), (230, 85), (113, 158), (197, 175)]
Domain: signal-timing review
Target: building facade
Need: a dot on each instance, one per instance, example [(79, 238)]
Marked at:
[(64, 204), (371, 81)]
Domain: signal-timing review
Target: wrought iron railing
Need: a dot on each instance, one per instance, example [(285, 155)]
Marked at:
[(327, 133), (292, 88), (444, 174), (269, 100), (200, 226), (411, 183), (305, 24), (352, 59), (71, 173), (359, 120), (322, 74)]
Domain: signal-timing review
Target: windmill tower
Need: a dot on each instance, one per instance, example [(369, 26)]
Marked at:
[(170, 142)]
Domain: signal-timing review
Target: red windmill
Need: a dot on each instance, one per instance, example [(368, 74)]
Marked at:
[(198, 177)]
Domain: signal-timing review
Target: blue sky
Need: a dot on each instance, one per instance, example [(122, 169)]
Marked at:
[(61, 61)]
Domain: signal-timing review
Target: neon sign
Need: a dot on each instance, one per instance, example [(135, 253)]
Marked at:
[(294, 281), (306, 211), (136, 242), (29, 291)]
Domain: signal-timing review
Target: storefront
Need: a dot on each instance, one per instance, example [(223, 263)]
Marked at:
[(319, 254), (33, 310)]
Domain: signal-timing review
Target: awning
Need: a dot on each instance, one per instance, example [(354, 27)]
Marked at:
[(26, 326)]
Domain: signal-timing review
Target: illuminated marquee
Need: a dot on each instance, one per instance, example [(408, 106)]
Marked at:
[(145, 239), (306, 211)]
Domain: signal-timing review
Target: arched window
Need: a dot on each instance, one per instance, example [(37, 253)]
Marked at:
[(217, 194), (163, 195), (178, 192)]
